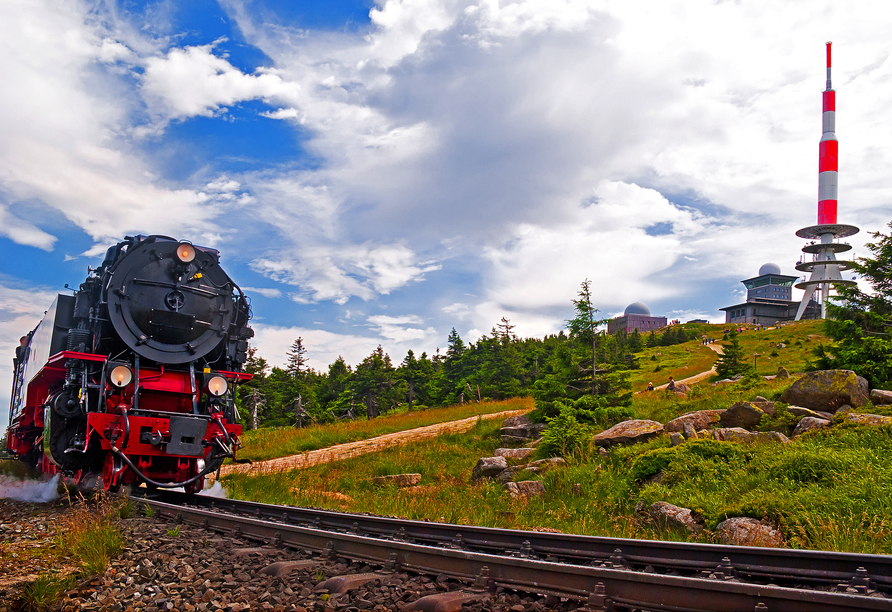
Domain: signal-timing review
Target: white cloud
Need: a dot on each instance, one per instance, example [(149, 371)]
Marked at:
[(339, 273), (264, 291), (323, 347), (402, 328), (193, 81)]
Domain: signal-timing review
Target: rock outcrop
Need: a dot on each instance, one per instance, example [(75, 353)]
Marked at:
[(399, 480), (827, 390), (745, 414), (880, 397), (519, 429), (674, 517), (629, 432), (525, 488), (513, 453), (487, 467), (743, 531), (739, 434), (702, 419), (867, 419), (809, 424)]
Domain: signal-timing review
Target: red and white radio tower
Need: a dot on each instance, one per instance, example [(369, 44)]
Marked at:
[(824, 267)]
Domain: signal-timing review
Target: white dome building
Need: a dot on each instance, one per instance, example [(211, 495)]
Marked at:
[(636, 316)]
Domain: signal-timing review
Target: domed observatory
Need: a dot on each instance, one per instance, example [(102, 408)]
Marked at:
[(769, 299), (636, 316)]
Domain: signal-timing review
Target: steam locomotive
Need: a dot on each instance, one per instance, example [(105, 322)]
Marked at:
[(132, 378)]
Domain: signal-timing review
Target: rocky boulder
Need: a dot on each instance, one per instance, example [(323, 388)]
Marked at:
[(805, 412), (522, 433), (744, 414), (525, 488), (702, 419), (399, 480), (743, 531), (520, 420), (513, 453), (738, 434), (674, 517), (867, 419), (629, 432), (782, 371), (808, 424), (487, 467), (881, 397), (827, 390), (543, 465)]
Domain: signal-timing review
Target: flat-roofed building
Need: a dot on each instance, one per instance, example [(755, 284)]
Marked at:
[(769, 298)]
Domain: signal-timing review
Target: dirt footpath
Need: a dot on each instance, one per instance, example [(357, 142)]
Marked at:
[(696, 377), (361, 447)]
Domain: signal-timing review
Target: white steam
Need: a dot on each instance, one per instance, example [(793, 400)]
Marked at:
[(29, 490), (216, 490)]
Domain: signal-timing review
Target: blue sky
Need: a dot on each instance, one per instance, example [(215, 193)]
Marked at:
[(380, 172)]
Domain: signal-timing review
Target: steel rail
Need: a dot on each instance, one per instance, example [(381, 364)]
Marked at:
[(619, 586), (756, 563)]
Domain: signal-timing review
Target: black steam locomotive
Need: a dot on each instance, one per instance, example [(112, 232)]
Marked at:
[(132, 378)]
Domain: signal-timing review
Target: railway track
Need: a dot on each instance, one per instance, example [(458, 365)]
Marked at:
[(602, 573)]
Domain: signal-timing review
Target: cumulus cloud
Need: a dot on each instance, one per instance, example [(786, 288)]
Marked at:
[(193, 81), (402, 328), (517, 147), (339, 273)]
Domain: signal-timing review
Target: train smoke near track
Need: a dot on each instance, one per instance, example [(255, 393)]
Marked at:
[(29, 490)]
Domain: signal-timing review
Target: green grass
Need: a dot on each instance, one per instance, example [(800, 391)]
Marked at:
[(270, 443), (832, 490), (445, 493), (679, 361), (89, 538)]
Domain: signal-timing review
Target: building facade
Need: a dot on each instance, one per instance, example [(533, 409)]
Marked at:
[(636, 316), (769, 299)]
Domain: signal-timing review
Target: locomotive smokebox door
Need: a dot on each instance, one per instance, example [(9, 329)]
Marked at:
[(186, 435)]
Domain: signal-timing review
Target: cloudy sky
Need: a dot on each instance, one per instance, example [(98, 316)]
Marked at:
[(380, 172)]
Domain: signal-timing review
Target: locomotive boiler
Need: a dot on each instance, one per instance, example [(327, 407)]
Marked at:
[(132, 379)]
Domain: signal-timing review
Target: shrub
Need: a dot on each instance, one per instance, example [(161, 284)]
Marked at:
[(565, 435)]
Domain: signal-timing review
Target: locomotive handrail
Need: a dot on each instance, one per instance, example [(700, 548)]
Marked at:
[(189, 288)]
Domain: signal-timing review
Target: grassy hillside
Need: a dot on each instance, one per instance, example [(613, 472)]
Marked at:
[(683, 360), (830, 490), (270, 443)]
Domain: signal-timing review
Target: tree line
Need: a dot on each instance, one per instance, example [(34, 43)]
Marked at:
[(583, 361)]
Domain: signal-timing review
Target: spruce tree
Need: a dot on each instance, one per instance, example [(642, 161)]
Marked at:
[(732, 361)]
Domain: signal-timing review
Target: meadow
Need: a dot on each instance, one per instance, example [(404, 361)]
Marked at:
[(270, 443), (828, 490)]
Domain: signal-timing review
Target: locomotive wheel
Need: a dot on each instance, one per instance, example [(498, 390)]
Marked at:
[(111, 471)]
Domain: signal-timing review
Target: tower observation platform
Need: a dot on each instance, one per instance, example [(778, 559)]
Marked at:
[(826, 235)]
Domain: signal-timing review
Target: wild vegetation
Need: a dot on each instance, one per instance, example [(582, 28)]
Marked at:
[(271, 442), (829, 489), (88, 537)]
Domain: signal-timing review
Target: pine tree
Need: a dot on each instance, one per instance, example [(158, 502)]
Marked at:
[(297, 358), (732, 361), (861, 323)]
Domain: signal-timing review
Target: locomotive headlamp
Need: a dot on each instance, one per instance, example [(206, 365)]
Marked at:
[(120, 376), (217, 385), (185, 252)]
